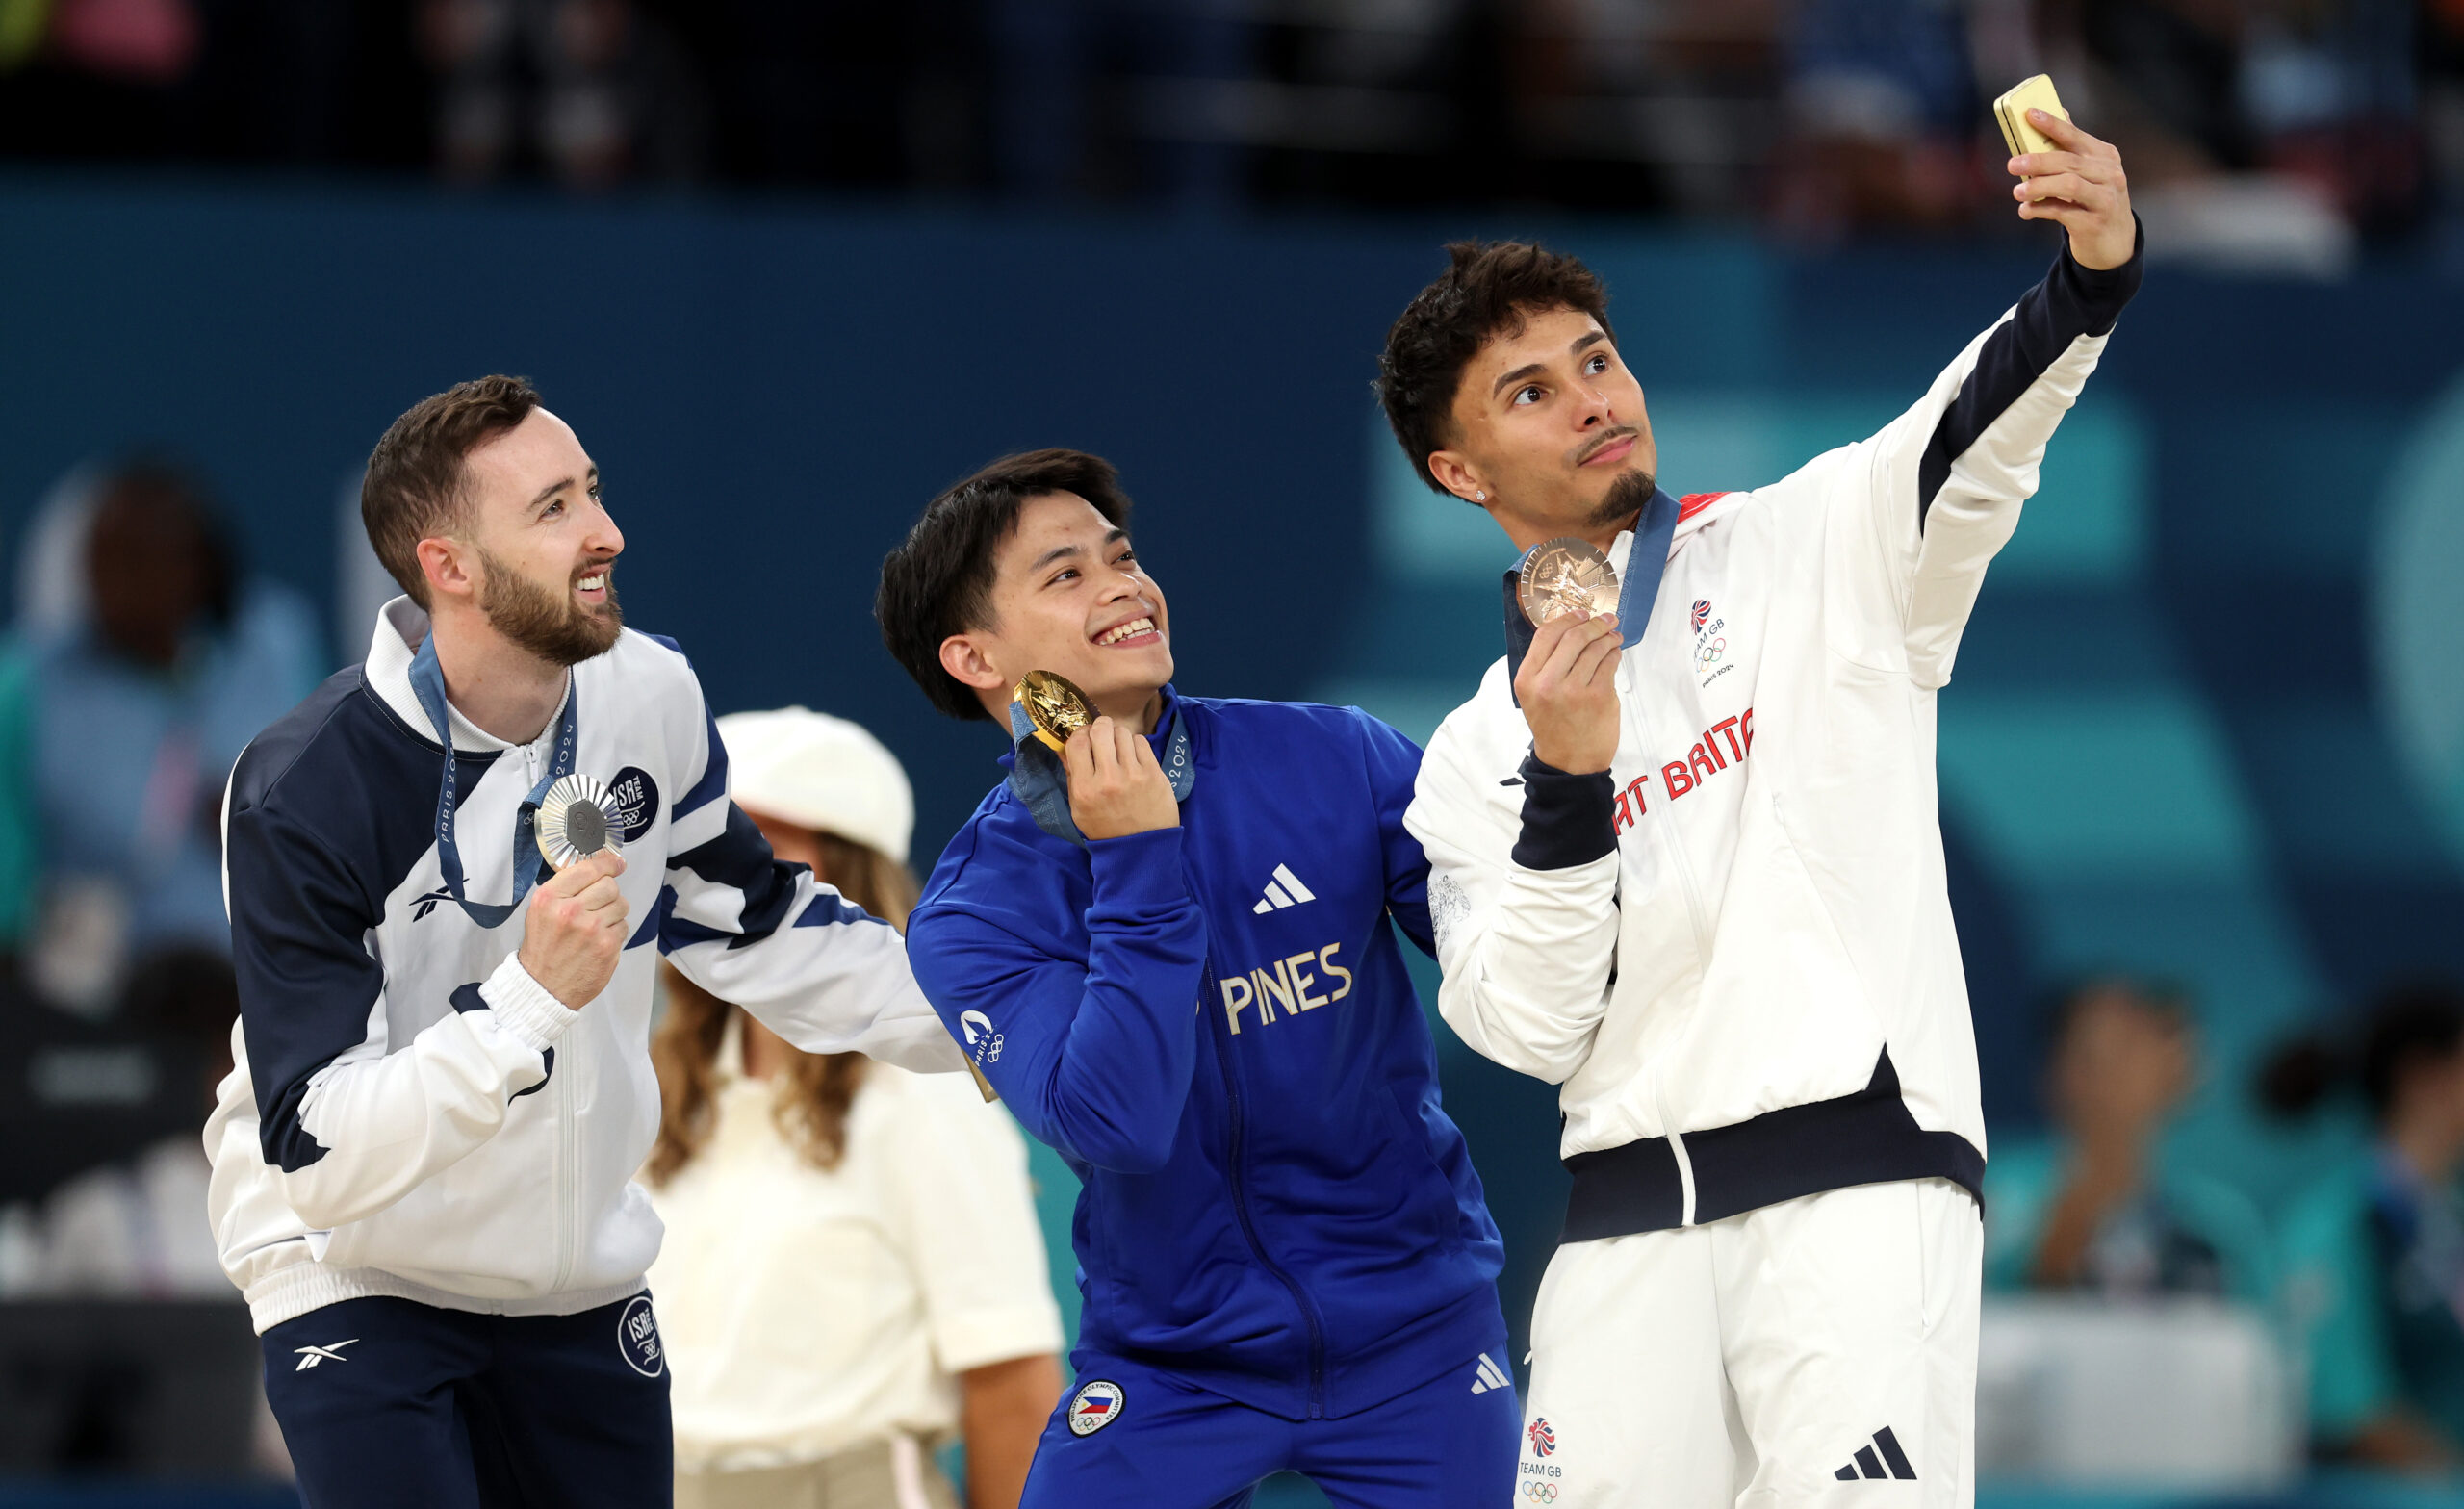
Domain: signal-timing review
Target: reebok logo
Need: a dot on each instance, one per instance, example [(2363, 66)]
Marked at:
[(1489, 1375), (428, 903), (330, 1352), (1284, 890), (1872, 1460)]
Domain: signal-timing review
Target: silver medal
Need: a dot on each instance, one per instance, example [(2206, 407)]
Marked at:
[(577, 818)]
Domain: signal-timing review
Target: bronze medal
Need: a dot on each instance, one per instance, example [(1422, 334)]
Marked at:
[(577, 819), (1563, 575), (1056, 707)]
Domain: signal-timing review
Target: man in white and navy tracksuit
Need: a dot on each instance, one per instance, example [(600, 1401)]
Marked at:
[(424, 1160), (1686, 863)]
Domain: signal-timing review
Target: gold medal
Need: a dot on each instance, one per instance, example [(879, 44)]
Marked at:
[(1563, 575), (1054, 707), (577, 819)]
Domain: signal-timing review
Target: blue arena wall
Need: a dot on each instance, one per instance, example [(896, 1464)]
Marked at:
[(2208, 722)]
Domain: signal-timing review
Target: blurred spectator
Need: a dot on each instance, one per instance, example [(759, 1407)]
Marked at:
[(594, 91), (145, 664), (853, 1266), (1884, 116), (2099, 1207), (2375, 1257), (138, 1230)]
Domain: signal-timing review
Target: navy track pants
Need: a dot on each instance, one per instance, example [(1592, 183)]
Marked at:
[(1142, 1436), (389, 1404)]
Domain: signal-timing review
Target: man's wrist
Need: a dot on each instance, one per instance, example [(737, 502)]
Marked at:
[(1569, 818), (525, 1006)]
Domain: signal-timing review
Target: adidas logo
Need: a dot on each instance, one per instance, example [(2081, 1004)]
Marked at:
[(1491, 1376), (1871, 1461), (1284, 890), (330, 1352)]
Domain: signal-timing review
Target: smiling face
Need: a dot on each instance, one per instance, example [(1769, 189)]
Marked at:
[(1068, 597), (1549, 425), (538, 549)]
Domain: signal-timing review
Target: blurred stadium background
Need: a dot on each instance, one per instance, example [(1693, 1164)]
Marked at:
[(790, 265)]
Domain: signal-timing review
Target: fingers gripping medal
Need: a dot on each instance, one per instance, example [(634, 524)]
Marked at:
[(1564, 575), (1054, 705), (577, 818)]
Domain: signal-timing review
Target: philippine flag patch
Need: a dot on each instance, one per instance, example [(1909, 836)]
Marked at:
[(1096, 1405)]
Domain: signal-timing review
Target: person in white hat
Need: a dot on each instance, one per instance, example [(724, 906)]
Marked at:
[(852, 1269)]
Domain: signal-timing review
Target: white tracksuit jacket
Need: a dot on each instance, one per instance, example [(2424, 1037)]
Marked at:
[(1734, 949), (411, 1114)]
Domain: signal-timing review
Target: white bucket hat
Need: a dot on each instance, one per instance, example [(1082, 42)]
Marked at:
[(819, 772)]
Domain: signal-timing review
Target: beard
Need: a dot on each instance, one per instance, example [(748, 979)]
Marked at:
[(547, 624), (1626, 498)]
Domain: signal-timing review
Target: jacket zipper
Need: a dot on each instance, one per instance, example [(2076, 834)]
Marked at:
[(1241, 1204), (1686, 883)]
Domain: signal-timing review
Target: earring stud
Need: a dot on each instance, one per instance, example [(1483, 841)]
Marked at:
[(1479, 498)]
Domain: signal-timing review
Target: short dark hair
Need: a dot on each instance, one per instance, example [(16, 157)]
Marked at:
[(938, 582), (413, 486), (1488, 289)]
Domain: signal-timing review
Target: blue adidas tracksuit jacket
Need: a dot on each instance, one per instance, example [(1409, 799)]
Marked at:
[(1212, 1025)]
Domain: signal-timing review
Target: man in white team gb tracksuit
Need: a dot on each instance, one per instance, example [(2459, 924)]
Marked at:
[(1689, 868)]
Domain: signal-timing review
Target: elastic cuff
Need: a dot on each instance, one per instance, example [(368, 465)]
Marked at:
[(2102, 292), (1567, 820), (522, 1006), (1141, 863)]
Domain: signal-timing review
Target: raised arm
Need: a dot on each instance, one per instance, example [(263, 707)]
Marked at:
[(1094, 1054), (353, 1126), (1522, 861), (1947, 479)]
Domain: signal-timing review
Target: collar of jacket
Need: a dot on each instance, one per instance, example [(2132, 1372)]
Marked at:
[(1646, 541), (1042, 787)]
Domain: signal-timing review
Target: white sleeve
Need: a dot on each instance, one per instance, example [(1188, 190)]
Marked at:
[(1947, 479), (351, 1126), (750, 928), (1526, 918)]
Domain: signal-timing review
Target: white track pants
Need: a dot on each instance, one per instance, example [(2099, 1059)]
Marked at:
[(1817, 1352)]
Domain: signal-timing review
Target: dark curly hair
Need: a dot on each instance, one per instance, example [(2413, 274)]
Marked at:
[(938, 582), (1487, 290)]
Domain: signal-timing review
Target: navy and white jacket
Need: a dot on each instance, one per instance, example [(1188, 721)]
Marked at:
[(1212, 1025), (411, 1114), (1733, 949)]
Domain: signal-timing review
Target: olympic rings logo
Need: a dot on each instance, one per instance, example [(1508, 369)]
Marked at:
[(1711, 651), (1540, 1493)]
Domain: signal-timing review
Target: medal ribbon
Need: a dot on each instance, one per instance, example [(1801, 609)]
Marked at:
[(427, 683), (1646, 562), (1040, 779)]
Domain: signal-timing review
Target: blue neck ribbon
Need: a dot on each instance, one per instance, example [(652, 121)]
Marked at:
[(427, 683), (1646, 562), (1040, 781)]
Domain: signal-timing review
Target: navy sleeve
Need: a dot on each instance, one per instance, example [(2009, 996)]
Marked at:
[(2070, 302), (1093, 1056), (1567, 819), (1394, 774), (307, 981)]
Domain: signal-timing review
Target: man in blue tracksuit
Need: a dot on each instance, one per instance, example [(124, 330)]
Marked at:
[(1166, 946)]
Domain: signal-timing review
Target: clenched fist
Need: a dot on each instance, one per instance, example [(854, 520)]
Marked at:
[(1568, 689), (1115, 785), (574, 931)]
